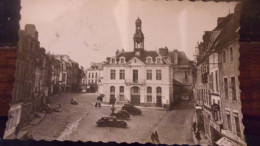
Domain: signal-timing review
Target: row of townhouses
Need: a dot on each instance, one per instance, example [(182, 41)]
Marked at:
[(217, 94), (38, 76), (142, 77)]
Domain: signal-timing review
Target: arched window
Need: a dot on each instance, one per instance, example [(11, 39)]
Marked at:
[(149, 90), (96, 74), (121, 95), (159, 90), (112, 89), (121, 89)]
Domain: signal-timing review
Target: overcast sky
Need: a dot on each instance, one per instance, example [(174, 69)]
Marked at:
[(91, 30)]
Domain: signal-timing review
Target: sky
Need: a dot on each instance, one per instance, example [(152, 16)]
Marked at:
[(91, 30)]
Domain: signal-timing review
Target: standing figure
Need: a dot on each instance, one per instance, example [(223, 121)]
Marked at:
[(156, 138), (152, 137), (98, 101)]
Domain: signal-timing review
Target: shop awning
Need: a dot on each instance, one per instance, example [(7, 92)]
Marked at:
[(226, 142)]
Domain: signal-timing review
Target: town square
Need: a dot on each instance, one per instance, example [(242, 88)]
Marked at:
[(135, 80)]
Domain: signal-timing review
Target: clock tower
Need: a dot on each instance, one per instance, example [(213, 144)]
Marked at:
[(138, 38)]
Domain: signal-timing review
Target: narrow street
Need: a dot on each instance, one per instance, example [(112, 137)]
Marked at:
[(78, 122)]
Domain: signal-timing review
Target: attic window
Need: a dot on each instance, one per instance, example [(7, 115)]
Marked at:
[(149, 60), (122, 60), (158, 60), (113, 61)]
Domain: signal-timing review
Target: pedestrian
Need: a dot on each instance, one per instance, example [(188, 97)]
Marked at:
[(194, 126), (100, 98), (156, 137), (98, 101), (198, 136), (152, 137)]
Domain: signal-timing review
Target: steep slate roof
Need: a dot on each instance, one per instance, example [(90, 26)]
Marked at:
[(129, 55), (228, 34), (98, 66), (223, 23), (182, 58)]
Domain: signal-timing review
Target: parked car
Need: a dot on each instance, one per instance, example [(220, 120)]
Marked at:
[(131, 109), (111, 121), (122, 115), (83, 90)]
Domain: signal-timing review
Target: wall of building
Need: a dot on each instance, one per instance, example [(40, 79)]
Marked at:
[(164, 83), (230, 106)]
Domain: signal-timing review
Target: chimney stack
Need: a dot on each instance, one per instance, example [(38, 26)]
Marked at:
[(164, 51), (108, 59), (117, 52), (30, 29), (175, 59)]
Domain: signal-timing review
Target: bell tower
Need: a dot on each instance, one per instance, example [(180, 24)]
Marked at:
[(138, 37)]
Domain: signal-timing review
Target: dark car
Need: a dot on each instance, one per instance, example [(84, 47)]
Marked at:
[(132, 110), (122, 115), (111, 121)]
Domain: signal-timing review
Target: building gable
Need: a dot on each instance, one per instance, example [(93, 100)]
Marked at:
[(135, 62)]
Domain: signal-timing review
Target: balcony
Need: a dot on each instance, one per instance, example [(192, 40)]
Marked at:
[(135, 82)]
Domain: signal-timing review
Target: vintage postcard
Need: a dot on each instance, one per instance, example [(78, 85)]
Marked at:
[(146, 71)]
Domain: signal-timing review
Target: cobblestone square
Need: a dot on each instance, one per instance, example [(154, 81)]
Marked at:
[(78, 122)]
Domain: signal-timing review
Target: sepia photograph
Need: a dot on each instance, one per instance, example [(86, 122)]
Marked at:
[(145, 71)]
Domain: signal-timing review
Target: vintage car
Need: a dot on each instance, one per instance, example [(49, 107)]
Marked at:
[(132, 110), (122, 115), (111, 121)]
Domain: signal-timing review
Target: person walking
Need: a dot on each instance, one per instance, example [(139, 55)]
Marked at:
[(152, 137), (98, 101), (156, 137)]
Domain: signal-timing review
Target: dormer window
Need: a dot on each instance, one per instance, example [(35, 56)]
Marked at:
[(149, 60), (158, 60), (113, 61), (122, 60)]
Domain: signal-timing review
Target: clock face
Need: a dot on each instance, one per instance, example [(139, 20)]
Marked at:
[(137, 53)]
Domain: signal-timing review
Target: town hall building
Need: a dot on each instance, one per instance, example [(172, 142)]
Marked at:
[(142, 77)]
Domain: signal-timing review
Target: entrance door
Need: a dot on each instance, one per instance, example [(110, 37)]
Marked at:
[(135, 95), (159, 101)]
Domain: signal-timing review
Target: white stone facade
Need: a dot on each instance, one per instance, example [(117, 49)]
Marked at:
[(165, 83)]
